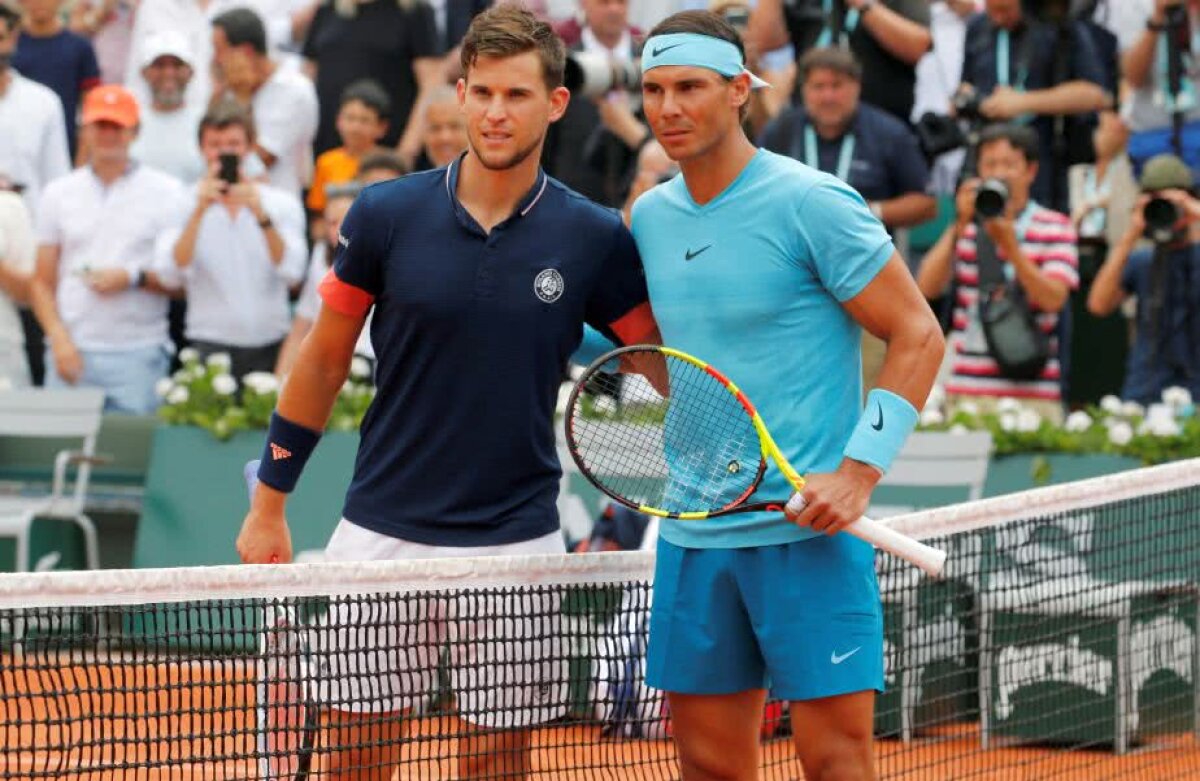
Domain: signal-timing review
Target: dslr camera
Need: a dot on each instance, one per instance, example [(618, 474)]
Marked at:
[(595, 75), (991, 199), (1161, 216)]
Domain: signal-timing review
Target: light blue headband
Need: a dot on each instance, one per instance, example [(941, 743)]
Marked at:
[(701, 51)]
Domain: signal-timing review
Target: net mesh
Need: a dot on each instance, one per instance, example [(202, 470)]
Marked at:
[(694, 449), (1062, 644)]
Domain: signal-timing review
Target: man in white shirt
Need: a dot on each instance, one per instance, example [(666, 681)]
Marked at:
[(95, 291), (240, 247), (282, 100), (166, 139), (17, 253), (286, 20), (33, 136)]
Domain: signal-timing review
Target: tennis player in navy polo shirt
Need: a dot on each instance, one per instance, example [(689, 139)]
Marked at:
[(481, 276)]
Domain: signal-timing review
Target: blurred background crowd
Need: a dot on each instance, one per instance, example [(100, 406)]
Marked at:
[(173, 172)]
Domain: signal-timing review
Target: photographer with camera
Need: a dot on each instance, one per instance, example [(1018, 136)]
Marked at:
[(889, 38), (240, 247), (1013, 265), (593, 148), (1020, 68), (1158, 61), (1164, 278)]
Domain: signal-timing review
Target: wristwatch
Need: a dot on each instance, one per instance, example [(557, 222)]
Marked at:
[(265, 222)]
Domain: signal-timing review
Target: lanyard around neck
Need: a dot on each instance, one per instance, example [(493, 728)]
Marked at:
[(1185, 99), (1004, 63), (849, 25), (845, 155)]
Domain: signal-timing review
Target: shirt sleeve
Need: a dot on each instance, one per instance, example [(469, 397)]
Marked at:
[(914, 10), (423, 32), (89, 68), (1139, 262), (840, 240), (49, 226), (1086, 62), (288, 215), (619, 304), (309, 50), (356, 278), (18, 250), (909, 171), (55, 153), (287, 120)]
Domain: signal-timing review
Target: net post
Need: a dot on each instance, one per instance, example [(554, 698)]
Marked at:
[(1121, 736)]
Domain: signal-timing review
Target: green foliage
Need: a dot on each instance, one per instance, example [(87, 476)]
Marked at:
[(1164, 432), (207, 396)]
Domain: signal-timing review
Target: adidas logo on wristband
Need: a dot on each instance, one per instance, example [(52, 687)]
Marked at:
[(279, 453)]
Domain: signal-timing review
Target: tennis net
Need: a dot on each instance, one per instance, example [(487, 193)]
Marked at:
[(1061, 644)]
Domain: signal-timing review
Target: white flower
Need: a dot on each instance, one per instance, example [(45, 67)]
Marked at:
[(347, 387), (1008, 421), (219, 361), (1008, 404), (261, 382), (932, 416), (1177, 397), (360, 368), (959, 429), (1078, 421), (178, 395), (188, 355), (969, 408), (1110, 404), (1164, 427), (224, 385), (163, 387), (1028, 421), (1160, 412), (1131, 409), (1120, 433)]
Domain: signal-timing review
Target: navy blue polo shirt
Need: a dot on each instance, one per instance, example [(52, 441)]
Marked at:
[(1175, 358), (472, 332), (887, 161)]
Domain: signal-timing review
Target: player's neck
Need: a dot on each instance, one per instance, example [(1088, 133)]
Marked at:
[(707, 175), (491, 196), (43, 28)]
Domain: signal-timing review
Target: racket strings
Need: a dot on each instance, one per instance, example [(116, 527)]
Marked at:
[(694, 450)]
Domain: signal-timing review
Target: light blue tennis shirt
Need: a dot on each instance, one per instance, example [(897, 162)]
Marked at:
[(753, 282)]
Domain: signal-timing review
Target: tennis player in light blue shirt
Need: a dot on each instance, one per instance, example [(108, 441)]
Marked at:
[(769, 270)]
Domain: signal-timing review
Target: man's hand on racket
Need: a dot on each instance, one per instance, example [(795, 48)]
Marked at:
[(832, 501), (264, 538)]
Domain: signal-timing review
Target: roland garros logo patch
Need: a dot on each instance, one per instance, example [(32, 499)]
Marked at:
[(548, 285)]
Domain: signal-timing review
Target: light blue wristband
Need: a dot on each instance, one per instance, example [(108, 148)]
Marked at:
[(886, 422)]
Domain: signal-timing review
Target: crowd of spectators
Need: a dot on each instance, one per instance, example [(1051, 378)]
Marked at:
[(174, 171)]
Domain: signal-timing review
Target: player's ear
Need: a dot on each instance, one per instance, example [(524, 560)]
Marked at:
[(559, 98), (460, 87), (739, 90)]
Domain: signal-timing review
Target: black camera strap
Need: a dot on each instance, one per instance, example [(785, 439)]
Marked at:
[(1156, 299), (991, 274)]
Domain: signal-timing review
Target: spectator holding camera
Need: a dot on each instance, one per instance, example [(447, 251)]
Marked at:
[(889, 38), (1006, 255), (864, 146), (593, 148), (1158, 60), (95, 291), (1164, 278), (34, 149), (1017, 68), (240, 248)]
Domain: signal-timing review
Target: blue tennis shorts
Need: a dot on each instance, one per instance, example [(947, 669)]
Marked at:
[(802, 619)]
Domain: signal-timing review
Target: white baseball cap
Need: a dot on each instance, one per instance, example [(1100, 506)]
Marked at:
[(166, 43)]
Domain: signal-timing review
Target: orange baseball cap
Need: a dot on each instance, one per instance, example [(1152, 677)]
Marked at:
[(110, 103)]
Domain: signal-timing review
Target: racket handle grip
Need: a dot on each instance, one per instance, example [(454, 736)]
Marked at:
[(927, 558)]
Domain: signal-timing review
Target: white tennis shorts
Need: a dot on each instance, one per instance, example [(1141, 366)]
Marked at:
[(502, 651)]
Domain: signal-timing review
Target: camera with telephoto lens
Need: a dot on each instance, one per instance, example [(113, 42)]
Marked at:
[(1160, 216), (991, 199), (968, 104), (595, 75)]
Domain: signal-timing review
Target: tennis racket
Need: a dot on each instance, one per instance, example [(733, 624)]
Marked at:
[(286, 713), (678, 439)]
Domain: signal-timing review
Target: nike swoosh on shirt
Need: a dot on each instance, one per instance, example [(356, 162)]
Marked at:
[(659, 50), (688, 255), (835, 659)]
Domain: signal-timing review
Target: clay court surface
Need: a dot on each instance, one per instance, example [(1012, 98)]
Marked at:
[(200, 718)]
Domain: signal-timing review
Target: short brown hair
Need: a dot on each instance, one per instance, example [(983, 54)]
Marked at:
[(830, 58), (509, 30), (704, 23), (225, 113)]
